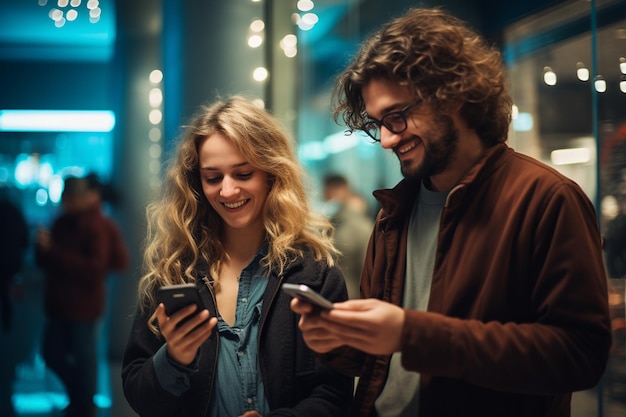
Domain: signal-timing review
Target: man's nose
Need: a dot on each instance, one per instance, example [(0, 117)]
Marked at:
[(388, 139)]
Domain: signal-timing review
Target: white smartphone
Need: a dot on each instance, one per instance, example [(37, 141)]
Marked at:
[(306, 294)]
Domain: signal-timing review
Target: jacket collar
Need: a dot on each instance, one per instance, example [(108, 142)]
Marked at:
[(202, 268), (398, 200)]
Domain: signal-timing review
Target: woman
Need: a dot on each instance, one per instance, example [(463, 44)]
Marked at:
[(234, 216)]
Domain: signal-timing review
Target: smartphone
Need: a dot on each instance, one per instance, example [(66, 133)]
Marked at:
[(306, 294), (175, 297)]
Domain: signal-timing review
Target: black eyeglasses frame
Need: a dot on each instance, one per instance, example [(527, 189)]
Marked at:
[(400, 115)]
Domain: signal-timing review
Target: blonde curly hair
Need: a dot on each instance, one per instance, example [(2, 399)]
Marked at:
[(184, 231), (442, 61)]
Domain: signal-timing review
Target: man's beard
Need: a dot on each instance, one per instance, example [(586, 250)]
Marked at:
[(438, 153)]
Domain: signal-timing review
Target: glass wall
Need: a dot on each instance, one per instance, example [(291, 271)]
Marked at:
[(567, 68)]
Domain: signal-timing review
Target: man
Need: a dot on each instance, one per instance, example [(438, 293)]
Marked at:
[(484, 286), (347, 212), (82, 247)]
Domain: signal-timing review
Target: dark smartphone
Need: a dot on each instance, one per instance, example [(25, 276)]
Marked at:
[(307, 295), (175, 297)]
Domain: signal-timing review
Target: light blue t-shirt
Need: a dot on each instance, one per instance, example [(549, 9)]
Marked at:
[(400, 396)]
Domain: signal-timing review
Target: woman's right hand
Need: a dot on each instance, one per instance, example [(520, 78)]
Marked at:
[(184, 341)]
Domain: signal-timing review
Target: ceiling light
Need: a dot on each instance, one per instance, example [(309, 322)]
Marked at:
[(56, 121), (254, 41), (260, 74), (257, 25), (600, 84), (305, 5), (582, 72), (156, 76), (549, 76), (570, 156)]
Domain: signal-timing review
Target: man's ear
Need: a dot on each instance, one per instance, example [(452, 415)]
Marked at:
[(453, 107)]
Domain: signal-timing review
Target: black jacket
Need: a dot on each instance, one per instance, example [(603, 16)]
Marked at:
[(296, 383)]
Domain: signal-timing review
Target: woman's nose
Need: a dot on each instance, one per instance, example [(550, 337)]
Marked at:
[(229, 188)]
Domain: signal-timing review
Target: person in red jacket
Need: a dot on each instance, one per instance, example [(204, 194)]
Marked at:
[(76, 255), (484, 289)]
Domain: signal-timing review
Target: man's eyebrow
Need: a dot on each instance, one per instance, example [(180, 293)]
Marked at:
[(389, 109)]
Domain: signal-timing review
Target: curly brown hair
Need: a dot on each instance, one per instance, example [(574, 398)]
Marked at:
[(442, 60)]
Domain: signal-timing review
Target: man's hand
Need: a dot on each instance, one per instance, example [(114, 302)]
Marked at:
[(372, 326)]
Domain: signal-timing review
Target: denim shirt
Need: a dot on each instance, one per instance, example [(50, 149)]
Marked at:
[(238, 386)]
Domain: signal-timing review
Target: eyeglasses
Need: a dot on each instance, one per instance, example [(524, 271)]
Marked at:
[(395, 122)]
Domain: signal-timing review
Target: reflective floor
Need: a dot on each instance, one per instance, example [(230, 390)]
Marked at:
[(37, 393), (27, 386)]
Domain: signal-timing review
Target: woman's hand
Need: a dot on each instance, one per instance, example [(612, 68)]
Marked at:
[(184, 340), (251, 414)]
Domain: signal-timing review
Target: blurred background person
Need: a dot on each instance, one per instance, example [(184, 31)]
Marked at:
[(109, 195), (81, 248), (347, 212), (615, 240), (13, 244), (615, 259)]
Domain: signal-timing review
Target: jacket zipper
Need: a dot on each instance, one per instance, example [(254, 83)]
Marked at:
[(206, 281)]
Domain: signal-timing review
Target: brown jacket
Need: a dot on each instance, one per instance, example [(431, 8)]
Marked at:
[(518, 312)]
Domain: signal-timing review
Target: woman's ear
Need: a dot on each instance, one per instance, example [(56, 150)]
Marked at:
[(271, 179)]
